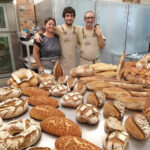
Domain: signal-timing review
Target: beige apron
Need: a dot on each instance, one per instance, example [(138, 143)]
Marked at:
[(89, 52), (68, 58)]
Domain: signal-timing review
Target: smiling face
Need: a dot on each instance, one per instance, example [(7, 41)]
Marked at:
[(50, 26), (89, 19), (69, 18)]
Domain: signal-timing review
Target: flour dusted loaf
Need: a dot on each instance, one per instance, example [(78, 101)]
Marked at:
[(69, 142), (9, 92), (60, 126), (71, 82), (96, 98), (42, 100), (13, 107), (146, 111), (57, 70), (39, 148), (72, 99), (87, 113), (114, 108), (63, 79), (80, 88), (31, 91), (58, 90), (28, 133), (116, 141), (113, 124), (82, 71), (43, 111), (138, 126)]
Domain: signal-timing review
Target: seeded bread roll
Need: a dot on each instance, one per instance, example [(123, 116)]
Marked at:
[(43, 111), (113, 124), (42, 100), (96, 98), (87, 113), (60, 126), (114, 108), (138, 126), (69, 142), (72, 99), (116, 141), (31, 91)]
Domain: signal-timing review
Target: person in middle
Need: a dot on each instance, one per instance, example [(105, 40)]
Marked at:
[(91, 40)]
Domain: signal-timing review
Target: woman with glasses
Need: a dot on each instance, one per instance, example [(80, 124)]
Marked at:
[(48, 51)]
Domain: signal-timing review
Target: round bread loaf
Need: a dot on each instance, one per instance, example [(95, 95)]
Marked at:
[(138, 126), (9, 92), (71, 82), (42, 100), (80, 88), (72, 99), (60, 126), (13, 107), (43, 111), (58, 90), (116, 140), (87, 113), (69, 142), (28, 133), (63, 79), (46, 77), (114, 108), (96, 98)]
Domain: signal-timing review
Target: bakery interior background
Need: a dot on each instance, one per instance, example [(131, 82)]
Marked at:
[(125, 25)]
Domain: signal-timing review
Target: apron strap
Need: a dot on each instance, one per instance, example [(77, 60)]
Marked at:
[(83, 32)]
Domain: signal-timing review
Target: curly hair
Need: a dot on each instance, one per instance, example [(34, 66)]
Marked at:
[(69, 10)]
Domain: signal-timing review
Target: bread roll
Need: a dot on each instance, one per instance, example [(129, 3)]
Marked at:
[(71, 82), (116, 141), (96, 98), (115, 92), (146, 111), (42, 100), (46, 85), (60, 126), (63, 79), (80, 88), (9, 92), (31, 91), (58, 90), (69, 142), (57, 70), (113, 124), (114, 108), (43, 111), (87, 113), (72, 99), (133, 103), (46, 77), (138, 126)]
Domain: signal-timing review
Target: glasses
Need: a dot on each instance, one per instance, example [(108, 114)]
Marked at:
[(88, 18)]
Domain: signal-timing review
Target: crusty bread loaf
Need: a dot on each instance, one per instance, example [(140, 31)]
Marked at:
[(13, 107), (114, 108), (60, 126), (31, 91), (38, 148), (113, 124), (57, 70), (58, 90), (69, 142), (72, 99), (82, 71), (133, 103), (46, 77), (43, 111), (42, 100), (106, 74), (80, 88), (1, 122), (87, 113), (96, 98), (140, 94), (138, 126), (115, 92), (71, 82), (146, 110), (9, 92), (116, 141), (63, 79)]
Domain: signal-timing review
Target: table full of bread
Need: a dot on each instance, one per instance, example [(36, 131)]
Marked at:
[(87, 93)]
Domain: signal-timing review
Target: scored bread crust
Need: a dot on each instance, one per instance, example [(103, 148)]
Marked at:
[(80, 88), (73, 142), (43, 111), (42, 100), (57, 70), (146, 111), (137, 126), (60, 126)]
